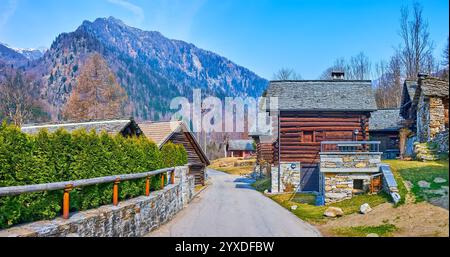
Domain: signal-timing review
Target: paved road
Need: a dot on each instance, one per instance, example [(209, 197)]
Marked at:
[(229, 207)]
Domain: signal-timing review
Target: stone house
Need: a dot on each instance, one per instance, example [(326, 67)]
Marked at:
[(424, 108)]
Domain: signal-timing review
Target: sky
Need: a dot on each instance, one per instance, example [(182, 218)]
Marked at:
[(261, 35)]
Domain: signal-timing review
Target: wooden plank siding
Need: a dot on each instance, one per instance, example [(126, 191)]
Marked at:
[(264, 152), (301, 133), (197, 165)]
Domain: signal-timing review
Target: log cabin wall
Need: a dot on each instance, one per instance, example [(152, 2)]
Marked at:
[(197, 164), (302, 133)]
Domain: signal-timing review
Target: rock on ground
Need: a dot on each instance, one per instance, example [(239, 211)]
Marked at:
[(439, 180), (365, 208), (333, 212), (423, 184)]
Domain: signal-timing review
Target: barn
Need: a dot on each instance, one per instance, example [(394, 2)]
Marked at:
[(311, 112), (178, 133)]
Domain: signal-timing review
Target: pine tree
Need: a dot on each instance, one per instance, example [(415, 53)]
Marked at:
[(97, 95)]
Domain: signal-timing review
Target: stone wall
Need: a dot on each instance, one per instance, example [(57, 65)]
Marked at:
[(289, 175), (430, 118), (131, 218), (339, 186), (350, 162), (340, 171)]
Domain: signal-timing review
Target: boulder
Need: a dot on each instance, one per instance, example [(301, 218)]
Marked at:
[(423, 184), (365, 208), (372, 235), (294, 207), (439, 180), (333, 212)]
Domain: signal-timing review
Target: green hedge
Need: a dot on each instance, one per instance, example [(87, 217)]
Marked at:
[(62, 156)]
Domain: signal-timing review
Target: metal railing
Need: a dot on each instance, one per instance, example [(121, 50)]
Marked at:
[(68, 186), (349, 146)]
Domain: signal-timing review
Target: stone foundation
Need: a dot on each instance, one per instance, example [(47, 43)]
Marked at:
[(131, 218), (289, 175), (342, 169), (339, 186)]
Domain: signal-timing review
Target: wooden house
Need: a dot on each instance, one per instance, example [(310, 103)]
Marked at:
[(384, 126), (178, 133), (240, 148), (312, 111), (124, 127)]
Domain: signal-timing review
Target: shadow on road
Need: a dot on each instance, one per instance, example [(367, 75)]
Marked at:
[(244, 183)]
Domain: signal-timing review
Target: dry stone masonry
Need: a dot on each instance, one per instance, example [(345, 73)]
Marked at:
[(131, 218), (346, 174)]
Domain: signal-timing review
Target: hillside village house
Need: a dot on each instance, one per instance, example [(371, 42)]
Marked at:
[(322, 129), (240, 148), (125, 127), (159, 132), (384, 126), (424, 108), (178, 133)]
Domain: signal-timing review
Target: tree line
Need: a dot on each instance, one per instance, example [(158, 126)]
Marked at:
[(414, 55)]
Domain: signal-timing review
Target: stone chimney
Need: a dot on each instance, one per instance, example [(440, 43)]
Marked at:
[(337, 75)]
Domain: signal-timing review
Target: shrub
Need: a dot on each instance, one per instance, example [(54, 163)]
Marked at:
[(62, 156)]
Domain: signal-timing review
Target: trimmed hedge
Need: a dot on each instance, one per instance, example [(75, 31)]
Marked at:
[(62, 156)]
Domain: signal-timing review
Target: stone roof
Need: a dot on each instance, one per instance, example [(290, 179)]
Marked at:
[(434, 87), (110, 126), (410, 88), (323, 95), (388, 120), (240, 145)]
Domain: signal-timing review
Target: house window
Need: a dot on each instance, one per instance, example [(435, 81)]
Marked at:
[(308, 137), (358, 184)]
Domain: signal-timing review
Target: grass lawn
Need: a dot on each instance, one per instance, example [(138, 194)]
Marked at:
[(234, 166), (414, 171), (362, 231), (314, 214)]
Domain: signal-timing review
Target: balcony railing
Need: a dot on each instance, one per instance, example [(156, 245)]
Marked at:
[(70, 185), (350, 146)]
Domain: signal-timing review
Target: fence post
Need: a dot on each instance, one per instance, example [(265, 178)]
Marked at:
[(116, 192), (162, 181), (66, 201), (147, 186), (172, 177)]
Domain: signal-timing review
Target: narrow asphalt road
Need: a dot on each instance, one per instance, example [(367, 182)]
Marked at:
[(229, 207)]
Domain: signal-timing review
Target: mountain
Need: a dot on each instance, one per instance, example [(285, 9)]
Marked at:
[(11, 57), (152, 68), (31, 53)]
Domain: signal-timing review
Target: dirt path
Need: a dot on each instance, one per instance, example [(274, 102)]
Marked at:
[(422, 219)]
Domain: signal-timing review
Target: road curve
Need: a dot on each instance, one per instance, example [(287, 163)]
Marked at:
[(229, 207)]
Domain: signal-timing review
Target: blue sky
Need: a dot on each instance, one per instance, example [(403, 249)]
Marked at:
[(262, 35)]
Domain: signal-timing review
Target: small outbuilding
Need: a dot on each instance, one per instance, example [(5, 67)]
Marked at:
[(240, 148), (178, 133), (384, 126)]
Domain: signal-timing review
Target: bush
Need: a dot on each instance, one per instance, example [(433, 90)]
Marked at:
[(62, 156)]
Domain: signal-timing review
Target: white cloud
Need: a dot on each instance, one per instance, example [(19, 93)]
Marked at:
[(137, 11), (7, 11)]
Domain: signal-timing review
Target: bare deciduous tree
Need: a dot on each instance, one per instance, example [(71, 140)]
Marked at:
[(416, 48), (16, 96), (360, 67), (445, 63), (286, 74), (389, 84)]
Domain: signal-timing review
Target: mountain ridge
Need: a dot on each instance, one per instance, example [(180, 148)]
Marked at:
[(152, 68)]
